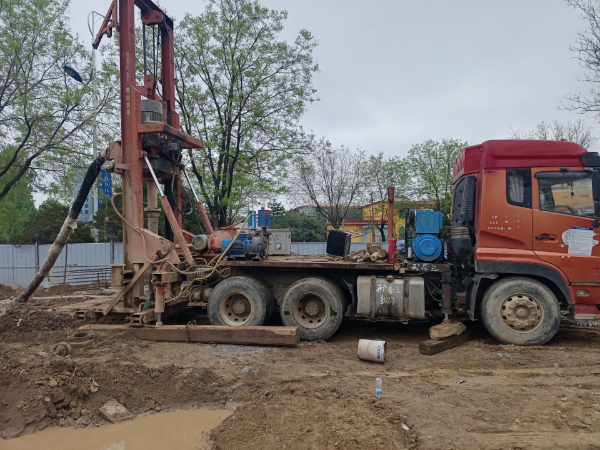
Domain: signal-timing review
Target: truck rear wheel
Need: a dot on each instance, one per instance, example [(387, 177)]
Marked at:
[(267, 294), (520, 311), (237, 302), (315, 306)]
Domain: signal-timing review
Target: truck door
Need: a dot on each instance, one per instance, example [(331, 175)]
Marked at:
[(563, 212)]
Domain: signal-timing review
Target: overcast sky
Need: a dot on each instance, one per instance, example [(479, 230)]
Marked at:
[(394, 73)]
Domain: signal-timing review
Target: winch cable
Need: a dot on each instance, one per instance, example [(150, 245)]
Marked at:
[(67, 228)]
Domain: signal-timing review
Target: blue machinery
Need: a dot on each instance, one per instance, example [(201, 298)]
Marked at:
[(428, 246), (252, 242)]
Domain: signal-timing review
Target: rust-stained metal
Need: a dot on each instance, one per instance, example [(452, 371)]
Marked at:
[(299, 262), (405, 299), (427, 267), (176, 230), (121, 294), (110, 22), (186, 140), (390, 193), (373, 297), (140, 245)]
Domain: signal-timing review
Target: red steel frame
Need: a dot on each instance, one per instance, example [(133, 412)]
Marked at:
[(130, 163)]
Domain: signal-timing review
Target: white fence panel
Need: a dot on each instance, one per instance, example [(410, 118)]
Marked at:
[(20, 263)]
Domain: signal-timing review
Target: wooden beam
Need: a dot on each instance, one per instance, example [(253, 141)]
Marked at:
[(286, 336), (431, 347)]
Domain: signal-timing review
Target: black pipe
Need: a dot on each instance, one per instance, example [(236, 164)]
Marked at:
[(169, 194), (88, 181), (67, 228)]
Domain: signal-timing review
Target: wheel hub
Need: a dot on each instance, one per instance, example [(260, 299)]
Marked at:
[(310, 311), (521, 312), (312, 308), (239, 307), (235, 309)]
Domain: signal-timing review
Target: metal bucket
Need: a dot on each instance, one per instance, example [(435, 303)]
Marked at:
[(371, 350)]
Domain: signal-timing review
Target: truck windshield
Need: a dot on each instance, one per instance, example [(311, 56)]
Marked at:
[(571, 195)]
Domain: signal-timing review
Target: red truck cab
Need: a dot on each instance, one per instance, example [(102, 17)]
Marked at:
[(524, 230)]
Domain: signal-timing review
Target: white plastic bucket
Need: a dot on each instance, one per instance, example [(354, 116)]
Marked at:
[(371, 350)]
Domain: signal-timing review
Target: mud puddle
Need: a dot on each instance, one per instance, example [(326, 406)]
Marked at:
[(181, 430)]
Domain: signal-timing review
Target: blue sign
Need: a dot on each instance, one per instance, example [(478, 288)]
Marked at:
[(104, 188)]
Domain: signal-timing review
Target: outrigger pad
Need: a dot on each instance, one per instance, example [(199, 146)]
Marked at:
[(446, 330)]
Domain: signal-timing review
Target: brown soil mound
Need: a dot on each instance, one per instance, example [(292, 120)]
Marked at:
[(49, 390), (21, 319), (294, 416), (7, 292)]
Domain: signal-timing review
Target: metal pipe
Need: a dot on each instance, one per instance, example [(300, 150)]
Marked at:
[(92, 28), (160, 191), (200, 207), (390, 192), (144, 48)]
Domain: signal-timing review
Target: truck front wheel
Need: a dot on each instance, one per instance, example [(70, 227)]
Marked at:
[(520, 311), (315, 306)]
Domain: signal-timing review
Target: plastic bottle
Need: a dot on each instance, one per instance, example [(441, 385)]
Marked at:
[(378, 384)]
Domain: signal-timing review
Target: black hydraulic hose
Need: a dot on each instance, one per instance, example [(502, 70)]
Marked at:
[(88, 181), (67, 228)]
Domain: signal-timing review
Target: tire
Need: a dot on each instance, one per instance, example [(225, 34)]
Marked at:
[(238, 302), (320, 297), (520, 311), (267, 294)]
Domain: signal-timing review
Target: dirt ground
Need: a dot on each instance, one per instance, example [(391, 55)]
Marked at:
[(315, 396)]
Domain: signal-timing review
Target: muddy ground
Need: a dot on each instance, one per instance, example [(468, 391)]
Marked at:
[(316, 396)]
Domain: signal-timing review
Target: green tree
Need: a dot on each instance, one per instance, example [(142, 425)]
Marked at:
[(304, 228), (431, 167), (107, 222), (110, 227), (381, 174), (15, 213), (44, 114), (242, 89), (45, 223), (277, 214)]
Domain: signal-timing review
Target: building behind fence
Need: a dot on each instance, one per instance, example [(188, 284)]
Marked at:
[(88, 263)]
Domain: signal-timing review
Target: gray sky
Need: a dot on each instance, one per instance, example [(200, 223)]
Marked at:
[(394, 73)]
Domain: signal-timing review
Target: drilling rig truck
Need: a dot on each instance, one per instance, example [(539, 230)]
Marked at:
[(521, 255)]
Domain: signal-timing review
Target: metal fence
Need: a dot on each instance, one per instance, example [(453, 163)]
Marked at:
[(89, 263), (86, 263), (318, 248)]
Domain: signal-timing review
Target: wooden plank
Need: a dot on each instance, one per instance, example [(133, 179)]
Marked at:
[(431, 347), (285, 336), (65, 297)]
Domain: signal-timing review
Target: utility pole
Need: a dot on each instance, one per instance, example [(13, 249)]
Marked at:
[(92, 28)]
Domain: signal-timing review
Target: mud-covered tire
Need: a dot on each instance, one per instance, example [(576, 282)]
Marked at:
[(267, 294), (313, 295), (237, 301), (520, 311)]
